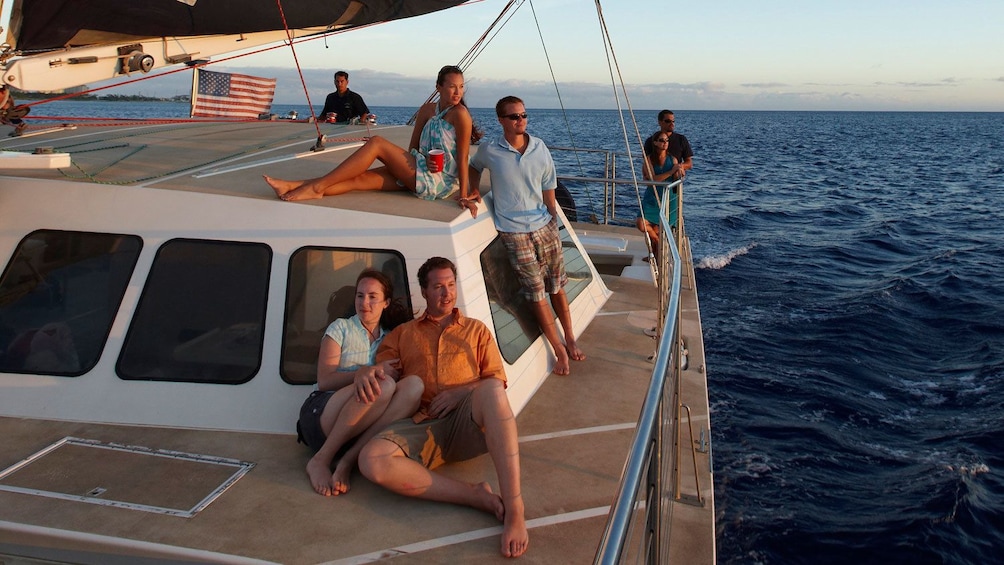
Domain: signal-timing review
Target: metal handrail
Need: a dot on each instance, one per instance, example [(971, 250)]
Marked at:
[(647, 458), (608, 181)]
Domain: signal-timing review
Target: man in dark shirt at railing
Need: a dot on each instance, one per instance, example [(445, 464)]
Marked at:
[(679, 147)]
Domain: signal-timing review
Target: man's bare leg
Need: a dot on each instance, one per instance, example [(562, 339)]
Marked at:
[(545, 319), (559, 301), (403, 404), (492, 411), (383, 462), (343, 418)]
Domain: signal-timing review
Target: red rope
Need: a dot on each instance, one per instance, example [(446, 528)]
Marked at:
[(303, 81)]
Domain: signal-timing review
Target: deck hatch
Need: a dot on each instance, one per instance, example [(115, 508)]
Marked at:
[(124, 476)]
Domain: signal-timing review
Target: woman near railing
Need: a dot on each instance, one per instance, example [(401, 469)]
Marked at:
[(659, 165)]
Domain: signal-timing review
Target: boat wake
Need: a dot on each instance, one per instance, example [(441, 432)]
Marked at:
[(716, 262)]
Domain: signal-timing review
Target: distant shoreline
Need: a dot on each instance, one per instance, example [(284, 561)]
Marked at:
[(102, 98)]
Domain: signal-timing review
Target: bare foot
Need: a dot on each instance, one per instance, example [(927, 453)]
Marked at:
[(320, 476), (340, 478), (574, 352), (485, 499), (515, 537), (282, 186), (306, 191), (561, 362)]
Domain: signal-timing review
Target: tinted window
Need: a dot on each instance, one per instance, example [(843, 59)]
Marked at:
[(201, 317), (515, 325), (58, 298), (321, 289)]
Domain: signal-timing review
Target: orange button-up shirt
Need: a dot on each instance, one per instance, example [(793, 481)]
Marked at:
[(461, 353)]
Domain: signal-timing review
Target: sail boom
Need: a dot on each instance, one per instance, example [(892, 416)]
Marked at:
[(59, 44), (55, 71)]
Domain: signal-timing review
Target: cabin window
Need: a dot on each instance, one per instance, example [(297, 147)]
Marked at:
[(516, 326), (202, 313), (58, 298), (322, 288)]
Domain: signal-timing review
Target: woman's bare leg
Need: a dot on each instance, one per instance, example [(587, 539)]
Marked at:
[(343, 418), (404, 403), (652, 231), (399, 164), (283, 186)]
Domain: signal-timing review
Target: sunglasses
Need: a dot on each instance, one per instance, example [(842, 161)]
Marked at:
[(662, 140), (669, 121), (515, 117)]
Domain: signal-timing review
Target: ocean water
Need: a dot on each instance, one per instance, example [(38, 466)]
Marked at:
[(850, 276)]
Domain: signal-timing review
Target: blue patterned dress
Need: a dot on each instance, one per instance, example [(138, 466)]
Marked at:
[(437, 134)]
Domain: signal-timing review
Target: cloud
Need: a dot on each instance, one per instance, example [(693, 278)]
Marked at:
[(903, 84), (381, 88), (764, 85)]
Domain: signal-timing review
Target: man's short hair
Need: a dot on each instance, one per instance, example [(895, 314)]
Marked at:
[(505, 101), (342, 74), (664, 113), (433, 264)]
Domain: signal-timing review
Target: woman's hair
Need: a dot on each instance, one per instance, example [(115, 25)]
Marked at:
[(476, 133), (649, 147), (396, 313), (650, 150)]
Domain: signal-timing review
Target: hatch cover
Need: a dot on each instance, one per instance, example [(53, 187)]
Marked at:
[(124, 476)]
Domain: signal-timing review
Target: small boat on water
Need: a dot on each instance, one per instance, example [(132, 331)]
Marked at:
[(160, 317)]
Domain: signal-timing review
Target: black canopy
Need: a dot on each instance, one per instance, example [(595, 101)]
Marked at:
[(52, 24)]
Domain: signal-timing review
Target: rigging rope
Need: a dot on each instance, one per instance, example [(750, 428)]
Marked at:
[(561, 103), (289, 37), (609, 48), (472, 53)]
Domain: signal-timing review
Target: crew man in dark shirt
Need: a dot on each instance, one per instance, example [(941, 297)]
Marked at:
[(679, 147), (344, 102)]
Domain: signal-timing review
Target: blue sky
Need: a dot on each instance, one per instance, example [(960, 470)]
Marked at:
[(729, 55), (715, 55)]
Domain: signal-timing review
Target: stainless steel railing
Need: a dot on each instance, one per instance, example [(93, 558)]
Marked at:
[(609, 184), (637, 528)]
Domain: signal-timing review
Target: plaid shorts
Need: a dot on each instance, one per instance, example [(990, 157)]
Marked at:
[(538, 260)]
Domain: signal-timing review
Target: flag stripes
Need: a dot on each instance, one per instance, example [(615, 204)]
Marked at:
[(227, 95)]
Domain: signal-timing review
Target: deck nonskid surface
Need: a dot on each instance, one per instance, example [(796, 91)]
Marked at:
[(223, 159)]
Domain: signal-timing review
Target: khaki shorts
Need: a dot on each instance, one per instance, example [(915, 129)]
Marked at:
[(455, 437)]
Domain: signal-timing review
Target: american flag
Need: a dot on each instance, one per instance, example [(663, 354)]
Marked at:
[(229, 95)]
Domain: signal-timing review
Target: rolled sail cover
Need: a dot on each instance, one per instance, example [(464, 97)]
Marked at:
[(53, 24)]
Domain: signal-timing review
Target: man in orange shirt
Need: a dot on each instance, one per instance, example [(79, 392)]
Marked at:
[(464, 412)]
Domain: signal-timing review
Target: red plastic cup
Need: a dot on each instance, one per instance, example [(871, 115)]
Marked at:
[(435, 161), (331, 117)]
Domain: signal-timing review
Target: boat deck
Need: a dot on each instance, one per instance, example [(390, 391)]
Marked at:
[(575, 431), (575, 434)]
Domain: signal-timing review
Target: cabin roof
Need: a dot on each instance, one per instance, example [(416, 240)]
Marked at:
[(226, 159)]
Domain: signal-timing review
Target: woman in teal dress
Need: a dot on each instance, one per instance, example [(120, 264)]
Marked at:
[(660, 166), (444, 124)]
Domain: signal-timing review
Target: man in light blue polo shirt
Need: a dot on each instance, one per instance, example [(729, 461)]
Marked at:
[(523, 180)]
